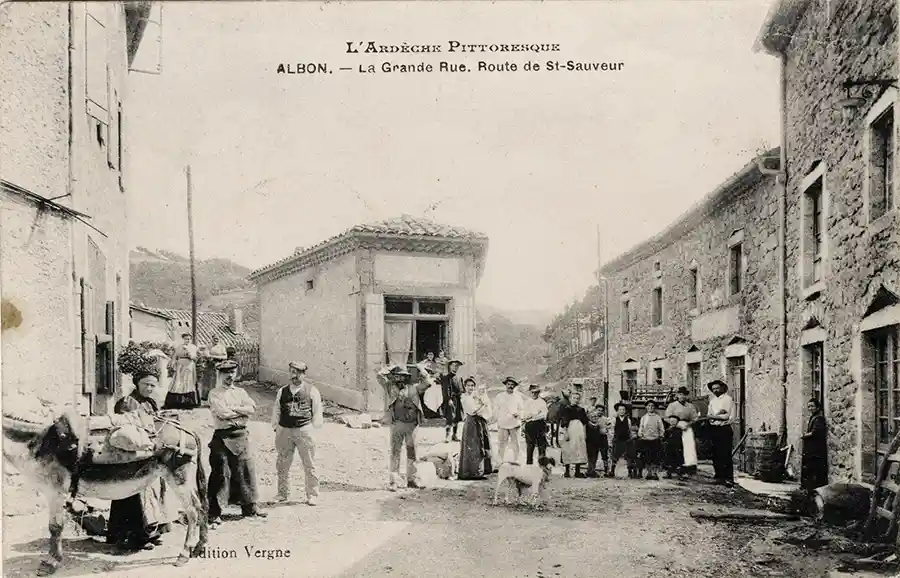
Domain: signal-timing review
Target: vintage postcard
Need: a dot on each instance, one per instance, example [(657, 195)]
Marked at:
[(363, 289)]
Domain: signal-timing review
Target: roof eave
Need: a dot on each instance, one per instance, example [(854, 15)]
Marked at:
[(779, 25)]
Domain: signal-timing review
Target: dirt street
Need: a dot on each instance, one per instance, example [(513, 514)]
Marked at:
[(620, 527)]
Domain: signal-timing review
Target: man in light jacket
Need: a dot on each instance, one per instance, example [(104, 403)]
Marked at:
[(296, 411), (509, 407)]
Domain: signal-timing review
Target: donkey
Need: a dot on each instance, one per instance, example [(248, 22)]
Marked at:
[(56, 460), (554, 409)]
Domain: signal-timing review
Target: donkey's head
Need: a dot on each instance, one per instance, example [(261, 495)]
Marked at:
[(61, 441)]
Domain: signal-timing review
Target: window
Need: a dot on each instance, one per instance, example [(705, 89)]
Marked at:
[(310, 284), (656, 266), (693, 377), (814, 225), (96, 64), (630, 378), (656, 313), (886, 346), (119, 166), (815, 371), (735, 265), (658, 376), (881, 165), (432, 308), (694, 287), (626, 316)]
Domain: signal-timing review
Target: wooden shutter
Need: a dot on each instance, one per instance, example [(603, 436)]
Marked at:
[(374, 350), (88, 342), (106, 353)]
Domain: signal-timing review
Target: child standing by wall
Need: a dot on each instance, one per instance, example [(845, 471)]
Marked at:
[(673, 453), (621, 436), (651, 432)]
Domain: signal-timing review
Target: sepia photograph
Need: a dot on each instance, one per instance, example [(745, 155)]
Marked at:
[(395, 288)]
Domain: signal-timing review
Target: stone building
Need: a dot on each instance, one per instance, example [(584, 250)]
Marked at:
[(63, 247), (839, 134), (382, 293), (700, 301)]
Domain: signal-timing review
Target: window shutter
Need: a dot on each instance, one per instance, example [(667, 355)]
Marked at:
[(88, 342), (106, 347), (375, 349)]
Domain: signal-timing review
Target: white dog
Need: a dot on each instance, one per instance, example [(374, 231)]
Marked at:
[(529, 480)]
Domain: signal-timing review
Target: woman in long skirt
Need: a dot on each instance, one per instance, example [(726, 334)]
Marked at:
[(572, 421), (475, 453), (183, 393), (137, 521), (814, 462), (687, 415)]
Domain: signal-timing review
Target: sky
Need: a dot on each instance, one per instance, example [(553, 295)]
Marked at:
[(535, 160)]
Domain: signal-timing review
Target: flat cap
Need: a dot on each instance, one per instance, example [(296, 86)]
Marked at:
[(298, 365), (226, 366)]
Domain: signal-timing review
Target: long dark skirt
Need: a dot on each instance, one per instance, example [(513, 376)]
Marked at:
[(136, 520), (475, 454), (813, 466), (232, 475), (181, 400)]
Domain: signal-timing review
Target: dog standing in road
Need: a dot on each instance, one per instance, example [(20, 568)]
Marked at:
[(527, 480)]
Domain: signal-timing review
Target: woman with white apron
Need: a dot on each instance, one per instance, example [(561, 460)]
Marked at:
[(687, 414)]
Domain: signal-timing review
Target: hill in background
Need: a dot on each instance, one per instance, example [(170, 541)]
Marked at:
[(508, 342)]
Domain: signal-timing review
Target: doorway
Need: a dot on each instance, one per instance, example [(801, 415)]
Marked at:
[(430, 336), (737, 377)]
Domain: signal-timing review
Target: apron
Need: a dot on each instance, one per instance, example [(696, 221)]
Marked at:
[(690, 447)]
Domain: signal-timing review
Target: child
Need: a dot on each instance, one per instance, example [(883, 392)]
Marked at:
[(673, 454), (633, 454), (651, 432), (621, 435)]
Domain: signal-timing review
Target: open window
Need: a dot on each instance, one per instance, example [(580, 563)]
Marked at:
[(414, 327)]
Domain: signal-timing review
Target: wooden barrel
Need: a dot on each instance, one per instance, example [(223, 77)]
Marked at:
[(767, 457)]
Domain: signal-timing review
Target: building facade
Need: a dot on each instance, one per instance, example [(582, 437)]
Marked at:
[(382, 293), (699, 301), (63, 246), (839, 86)]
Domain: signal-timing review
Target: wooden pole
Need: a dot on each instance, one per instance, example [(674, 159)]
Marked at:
[(190, 210), (605, 297)]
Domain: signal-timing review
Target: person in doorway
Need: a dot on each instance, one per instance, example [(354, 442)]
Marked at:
[(183, 392), (296, 411), (573, 420), (597, 438), (232, 475), (441, 362), (429, 363), (721, 409), (687, 415), (404, 414), (814, 464), (510, 407), (475, 451), (650, 434), (534, 417), (451, 390), (621, 437)]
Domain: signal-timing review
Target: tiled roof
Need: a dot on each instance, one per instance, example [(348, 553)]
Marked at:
[(149, 311), (404, 227), (209, 324)]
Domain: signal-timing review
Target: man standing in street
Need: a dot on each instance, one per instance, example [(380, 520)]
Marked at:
[(509, 409), (232, 476), (451, 389), (404, 414), (597, 439), (534, 415), (296, 411), (721, 409)]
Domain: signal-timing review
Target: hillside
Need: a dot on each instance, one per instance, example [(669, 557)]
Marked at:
[(509, 342)]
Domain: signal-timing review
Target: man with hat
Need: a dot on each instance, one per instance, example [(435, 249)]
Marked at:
[(686, 414), (296, 411), (232, 476), (721, 409), (404, 413), (451, 389), (509, 408), (534, 416)]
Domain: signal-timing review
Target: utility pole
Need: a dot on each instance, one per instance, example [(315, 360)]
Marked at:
[(190, 210), (603, 290)]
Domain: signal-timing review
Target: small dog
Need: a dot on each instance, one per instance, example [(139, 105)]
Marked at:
[(531, 480)]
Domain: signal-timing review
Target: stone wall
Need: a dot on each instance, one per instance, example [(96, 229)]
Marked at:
[(721, 324), (854, 40), (318, 326)]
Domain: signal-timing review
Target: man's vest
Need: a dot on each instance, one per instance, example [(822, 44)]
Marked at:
[(295, 409)]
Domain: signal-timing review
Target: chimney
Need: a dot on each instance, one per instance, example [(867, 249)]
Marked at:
[(236, 321)]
